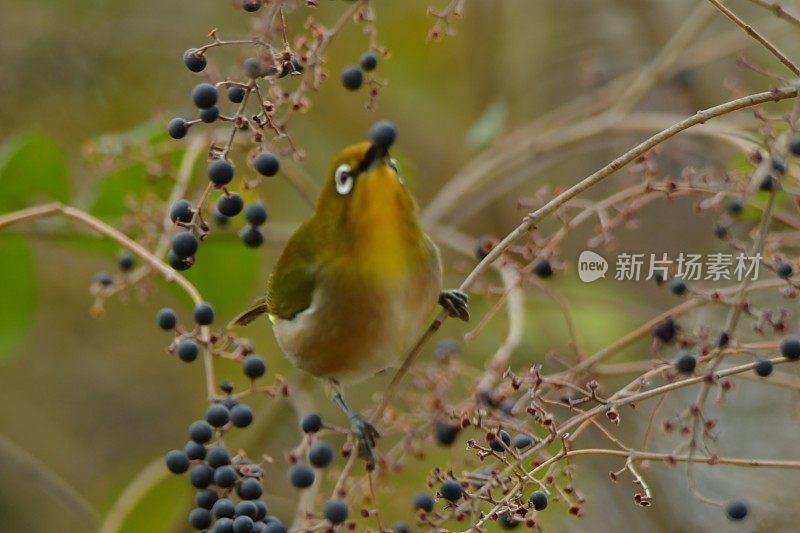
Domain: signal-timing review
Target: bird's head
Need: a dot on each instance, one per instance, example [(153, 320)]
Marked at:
[(364, 193)]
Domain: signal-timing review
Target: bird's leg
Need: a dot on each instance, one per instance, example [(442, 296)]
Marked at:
[(364, 430), (455, 303)]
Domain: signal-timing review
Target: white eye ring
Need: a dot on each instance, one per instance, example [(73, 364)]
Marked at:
[(343, 178), (393, 165)]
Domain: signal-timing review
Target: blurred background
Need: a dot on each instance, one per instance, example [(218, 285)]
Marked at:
[(90, 403)]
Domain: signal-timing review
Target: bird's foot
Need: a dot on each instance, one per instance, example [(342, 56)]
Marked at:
[(455, 303), (366, 433)]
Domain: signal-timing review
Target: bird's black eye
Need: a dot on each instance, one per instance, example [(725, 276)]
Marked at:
[(343, 178)]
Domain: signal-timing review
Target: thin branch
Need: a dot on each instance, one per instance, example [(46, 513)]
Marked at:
[(757, 36)]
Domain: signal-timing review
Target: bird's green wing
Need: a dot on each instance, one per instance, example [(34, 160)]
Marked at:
[(291, 285)]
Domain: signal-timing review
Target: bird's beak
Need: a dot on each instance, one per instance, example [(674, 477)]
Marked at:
[(375, 156)]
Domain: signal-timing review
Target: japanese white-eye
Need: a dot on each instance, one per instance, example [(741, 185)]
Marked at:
[(357, 283)]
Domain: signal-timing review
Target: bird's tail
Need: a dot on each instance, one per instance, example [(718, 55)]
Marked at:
[(259, 307)]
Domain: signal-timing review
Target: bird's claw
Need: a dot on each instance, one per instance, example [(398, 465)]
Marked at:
[(366, 433), (455, 303)]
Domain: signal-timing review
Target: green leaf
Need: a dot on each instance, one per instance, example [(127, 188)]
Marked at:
[(227, 275), (18, 304), (32, 168), (489, 125), (114, 190)]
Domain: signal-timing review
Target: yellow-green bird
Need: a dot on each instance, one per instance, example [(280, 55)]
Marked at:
[(357, 283)]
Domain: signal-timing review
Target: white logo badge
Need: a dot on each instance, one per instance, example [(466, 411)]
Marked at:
[(591, 266)]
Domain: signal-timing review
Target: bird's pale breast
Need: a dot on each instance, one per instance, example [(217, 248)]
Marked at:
[(359, 323)]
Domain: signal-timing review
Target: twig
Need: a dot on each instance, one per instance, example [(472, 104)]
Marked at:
[(757, 36)]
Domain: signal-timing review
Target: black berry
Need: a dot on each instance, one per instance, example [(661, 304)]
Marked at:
[(223, 508), (266, 164), (209, 115), (218, 456), (736, 510), (445, 433), (274, 526), (507, 521), (179, 263), (195, 450), (522, 441), (352, 78), (262, 509), (225, 477), (200, 518), (220, 172), (177, 461), (181, 210), (125, 261), (201, 476), (320, 455), (735, 206), (254, 366), (539, 500), (794, 144), (236, 94), (400, 527), (763, 367), (187, 350), (177, 128), (203, 314), (250, 489), (368, 61), (778, 166), (543, 269), (251, 236), (241, 416), (790, 348), (246, 508), (200, 432), (256, 213), (196, 62), (784, 269), (217, 415), (243, 524), (383, 134), (685, 363), (311, 423), (223, 525), (104, 279), (678, 286), (204, 95), (424, 501), (206, 498), (184, 244), (451, 490), (768, 183), (496, 443), (230, 205), (301, 476), (251, 6), (665, 330), (335, 511), (167, 319)]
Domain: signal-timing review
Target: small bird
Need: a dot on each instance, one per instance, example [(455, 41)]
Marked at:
[(357, 283)]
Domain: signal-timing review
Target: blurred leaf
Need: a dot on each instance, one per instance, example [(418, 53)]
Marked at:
[(131, 145), (32, 167), (160, 505), (114, 190), (490, 124), (18, 304), (227, 275)]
